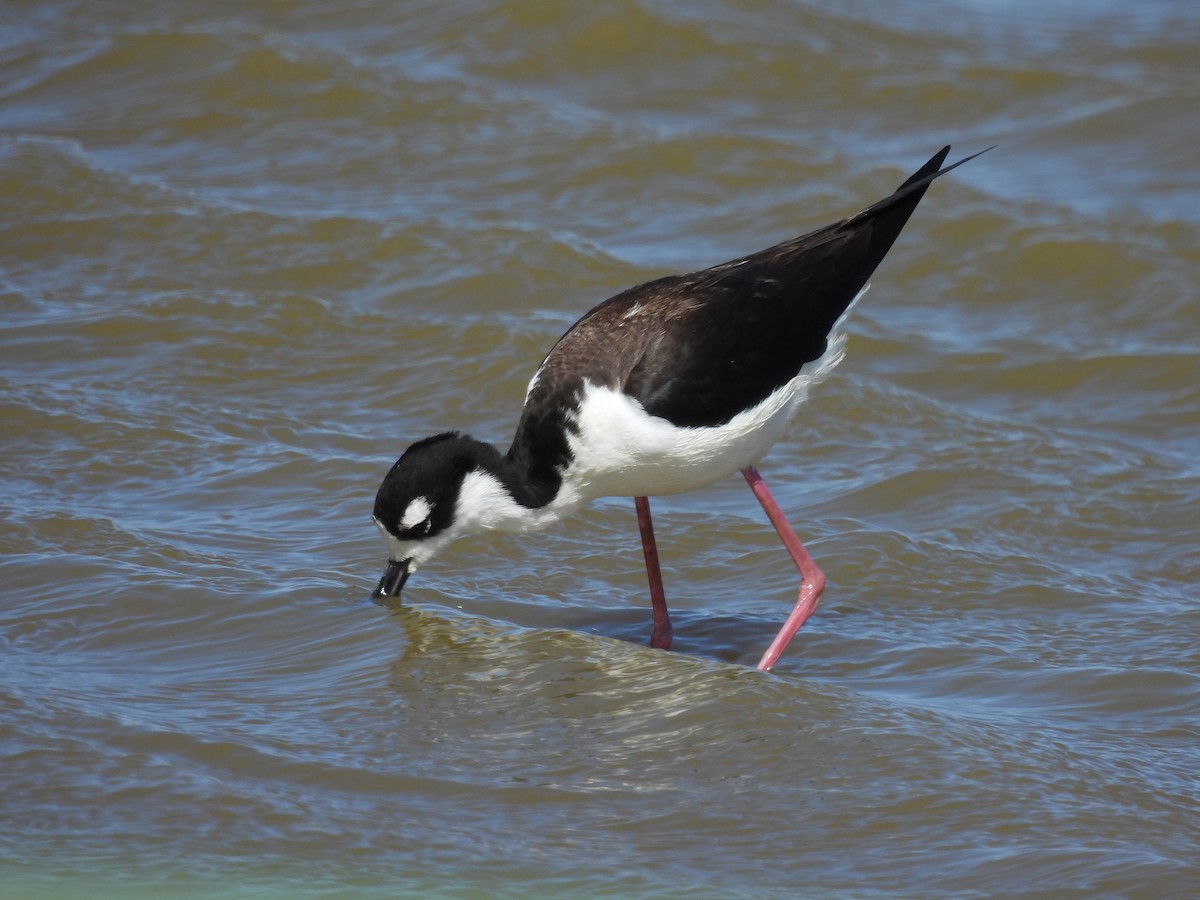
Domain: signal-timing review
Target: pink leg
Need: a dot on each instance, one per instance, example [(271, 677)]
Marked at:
[(660, 637), (812, 579)]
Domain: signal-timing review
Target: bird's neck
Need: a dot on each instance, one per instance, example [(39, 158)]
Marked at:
[(503, 493)]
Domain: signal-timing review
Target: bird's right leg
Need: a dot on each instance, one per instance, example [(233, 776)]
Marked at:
[(660, 636)]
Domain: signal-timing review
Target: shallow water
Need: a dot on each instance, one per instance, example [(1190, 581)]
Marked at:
[(250, 251)]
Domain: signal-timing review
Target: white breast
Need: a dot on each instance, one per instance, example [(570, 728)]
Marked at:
[(621, 450)]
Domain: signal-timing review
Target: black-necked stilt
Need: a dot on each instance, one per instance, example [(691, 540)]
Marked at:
[(663, 388)]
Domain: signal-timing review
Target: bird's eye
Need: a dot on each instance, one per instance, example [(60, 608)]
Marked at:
[(419, 530), (417, 520)]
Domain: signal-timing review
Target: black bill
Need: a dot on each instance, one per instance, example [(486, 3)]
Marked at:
[(393, 578)]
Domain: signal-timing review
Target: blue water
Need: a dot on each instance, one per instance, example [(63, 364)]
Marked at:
[(248, 252)]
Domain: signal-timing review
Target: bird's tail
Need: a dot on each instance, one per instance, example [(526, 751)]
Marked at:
[(914, 188)]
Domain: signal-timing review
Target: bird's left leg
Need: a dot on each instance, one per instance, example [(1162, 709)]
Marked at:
[(812, 579)]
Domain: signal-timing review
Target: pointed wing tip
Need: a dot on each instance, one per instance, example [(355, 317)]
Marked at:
[(934, 169), (965, 158)]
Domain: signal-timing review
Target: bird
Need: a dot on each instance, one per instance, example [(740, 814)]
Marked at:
[(663, 388)]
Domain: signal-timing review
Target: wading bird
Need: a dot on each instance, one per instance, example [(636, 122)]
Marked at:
[(664, 388)]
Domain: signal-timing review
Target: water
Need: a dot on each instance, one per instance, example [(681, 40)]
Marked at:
[(249, 251)]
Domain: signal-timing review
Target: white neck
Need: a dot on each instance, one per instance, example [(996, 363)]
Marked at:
[(484, 504)]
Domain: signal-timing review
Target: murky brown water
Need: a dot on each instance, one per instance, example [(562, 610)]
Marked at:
[(249, 251)]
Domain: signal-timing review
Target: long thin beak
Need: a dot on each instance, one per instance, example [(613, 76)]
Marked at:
[(393, 578)]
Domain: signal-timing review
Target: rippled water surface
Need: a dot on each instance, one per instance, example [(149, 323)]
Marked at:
[(249, 251)]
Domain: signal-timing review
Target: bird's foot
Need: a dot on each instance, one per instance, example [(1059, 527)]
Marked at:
[(660, 637)]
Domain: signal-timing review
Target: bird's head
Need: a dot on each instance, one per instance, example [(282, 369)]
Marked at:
[(417, 508)]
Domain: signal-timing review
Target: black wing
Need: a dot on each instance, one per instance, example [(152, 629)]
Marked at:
[(696, 349)]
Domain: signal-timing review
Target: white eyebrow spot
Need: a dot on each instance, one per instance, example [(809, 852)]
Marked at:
[(417, 512)]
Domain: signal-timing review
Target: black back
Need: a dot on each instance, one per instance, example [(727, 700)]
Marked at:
[(698, 348)]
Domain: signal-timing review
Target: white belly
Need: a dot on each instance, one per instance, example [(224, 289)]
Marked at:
[(621, 450)]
